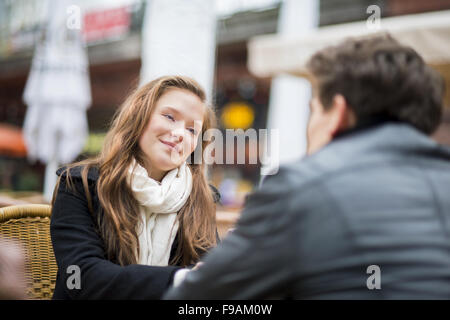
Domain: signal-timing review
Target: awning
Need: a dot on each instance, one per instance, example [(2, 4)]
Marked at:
[(11, 141), (427, 33)]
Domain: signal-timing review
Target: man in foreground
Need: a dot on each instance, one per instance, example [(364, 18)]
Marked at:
[(367, 214)]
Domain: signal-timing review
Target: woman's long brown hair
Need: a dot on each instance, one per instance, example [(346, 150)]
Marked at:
[(120, 210)]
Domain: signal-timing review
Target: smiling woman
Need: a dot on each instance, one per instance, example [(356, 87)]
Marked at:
[(170, 135), (133, 216)]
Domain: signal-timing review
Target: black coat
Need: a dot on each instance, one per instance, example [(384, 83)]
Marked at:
[(76, 242)]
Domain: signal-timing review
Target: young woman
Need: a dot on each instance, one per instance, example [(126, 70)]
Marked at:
[(124, 223)]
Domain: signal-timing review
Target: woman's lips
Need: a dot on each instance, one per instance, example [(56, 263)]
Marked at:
[(171, 145)]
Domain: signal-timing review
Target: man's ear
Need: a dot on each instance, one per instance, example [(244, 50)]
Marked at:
[(343, 117)]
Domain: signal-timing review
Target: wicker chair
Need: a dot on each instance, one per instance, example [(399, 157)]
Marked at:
[(30, 225)]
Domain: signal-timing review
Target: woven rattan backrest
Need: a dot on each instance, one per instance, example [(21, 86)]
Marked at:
[(30, 225)]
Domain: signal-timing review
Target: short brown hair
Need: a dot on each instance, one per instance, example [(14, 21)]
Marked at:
[(380, 77)]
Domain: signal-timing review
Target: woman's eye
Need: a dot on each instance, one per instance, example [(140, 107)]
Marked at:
[(192, 131), (168, 116)]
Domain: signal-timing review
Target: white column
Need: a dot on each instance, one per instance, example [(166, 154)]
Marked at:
[(289, 95), (178, 38)]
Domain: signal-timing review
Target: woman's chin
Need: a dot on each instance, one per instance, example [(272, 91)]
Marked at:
[(173, 160), (167, 165), (166, 161)]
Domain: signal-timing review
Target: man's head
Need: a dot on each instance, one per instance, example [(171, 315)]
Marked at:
[(364, 79)]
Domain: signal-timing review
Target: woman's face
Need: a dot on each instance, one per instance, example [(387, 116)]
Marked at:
[(172, 132)]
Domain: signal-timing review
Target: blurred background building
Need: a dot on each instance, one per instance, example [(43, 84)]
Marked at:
[(112, 32)]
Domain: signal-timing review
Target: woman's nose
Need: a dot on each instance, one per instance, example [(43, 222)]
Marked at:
[(178, 134)]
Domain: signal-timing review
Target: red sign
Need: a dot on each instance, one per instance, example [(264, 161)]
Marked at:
[(106, 24)]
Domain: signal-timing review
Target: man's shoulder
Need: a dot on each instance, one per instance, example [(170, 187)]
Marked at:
[(358, 150), (299, 172), (355, 153)]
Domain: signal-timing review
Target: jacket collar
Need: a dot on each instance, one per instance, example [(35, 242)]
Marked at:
[(93, 173), (381, 140), (367, 123)]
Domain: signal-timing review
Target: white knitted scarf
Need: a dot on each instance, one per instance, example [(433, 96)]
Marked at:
[(159, 204)]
